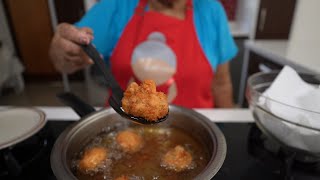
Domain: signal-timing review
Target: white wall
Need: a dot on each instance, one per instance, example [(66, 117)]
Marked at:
[(246, 13), (304, 42), (306, 23)]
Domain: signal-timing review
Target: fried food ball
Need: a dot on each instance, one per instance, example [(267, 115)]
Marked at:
[(177, 159), (122, 178), (144, 101), (92, 158), (129, 141)]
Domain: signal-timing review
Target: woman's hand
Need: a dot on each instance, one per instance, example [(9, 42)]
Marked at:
[(65, 52), (222, 87)]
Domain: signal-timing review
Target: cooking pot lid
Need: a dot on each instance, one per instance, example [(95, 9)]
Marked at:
[(18, 124)]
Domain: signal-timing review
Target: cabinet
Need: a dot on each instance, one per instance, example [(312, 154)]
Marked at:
[(32, 31), (274, 21)]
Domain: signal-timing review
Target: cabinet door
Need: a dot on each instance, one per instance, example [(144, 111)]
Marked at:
[(274, 19), (32, 31)]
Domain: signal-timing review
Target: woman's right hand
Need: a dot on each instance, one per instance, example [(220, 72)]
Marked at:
[(65, 52)]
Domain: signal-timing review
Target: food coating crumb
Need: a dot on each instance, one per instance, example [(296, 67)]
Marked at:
[(144, 101), (92, 158), (122, 178), (177, 159), (129, 141)]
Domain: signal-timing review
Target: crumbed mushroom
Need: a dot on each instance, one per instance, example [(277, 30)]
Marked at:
[(92, 158), (177, 159), (144, 101), (129, 141)]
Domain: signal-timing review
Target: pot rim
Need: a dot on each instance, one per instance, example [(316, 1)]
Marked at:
[(58, 157)]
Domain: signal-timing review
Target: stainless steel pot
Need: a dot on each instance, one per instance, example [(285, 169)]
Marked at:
[(75, 137)]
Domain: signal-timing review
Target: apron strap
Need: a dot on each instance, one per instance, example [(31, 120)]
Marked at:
[(141, 7), (189, 4), (189, 10)]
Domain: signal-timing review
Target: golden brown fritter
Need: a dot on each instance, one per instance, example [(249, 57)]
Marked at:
[(144, 101), (92, 158), (122, 178), (177, 159), (129, 141)]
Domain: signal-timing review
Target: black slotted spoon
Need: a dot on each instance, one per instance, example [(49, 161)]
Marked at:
[(117, 92)]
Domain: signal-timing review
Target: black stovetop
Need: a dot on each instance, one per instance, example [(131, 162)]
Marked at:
[(246, 158)]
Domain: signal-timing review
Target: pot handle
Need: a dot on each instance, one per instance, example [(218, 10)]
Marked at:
[(78, 105)]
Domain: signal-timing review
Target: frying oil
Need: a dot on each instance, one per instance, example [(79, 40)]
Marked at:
[(146, 163)]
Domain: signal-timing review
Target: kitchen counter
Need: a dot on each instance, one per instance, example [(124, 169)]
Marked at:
[(216, 115), (302, 55)]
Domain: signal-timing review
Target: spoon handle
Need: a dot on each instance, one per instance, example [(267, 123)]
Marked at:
[(111, 82), (78, 105)]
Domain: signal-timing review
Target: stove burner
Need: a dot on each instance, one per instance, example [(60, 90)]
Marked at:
[(19, 159), (288, 163)]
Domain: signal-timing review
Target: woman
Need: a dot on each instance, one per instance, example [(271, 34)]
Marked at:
[(184, 45)]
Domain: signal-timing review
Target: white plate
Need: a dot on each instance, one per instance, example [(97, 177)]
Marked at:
[(18, 124)]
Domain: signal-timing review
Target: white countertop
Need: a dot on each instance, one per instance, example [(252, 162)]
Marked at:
[(302, 55), (215, 115)]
